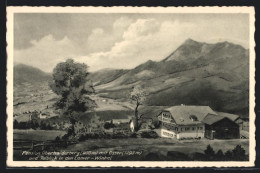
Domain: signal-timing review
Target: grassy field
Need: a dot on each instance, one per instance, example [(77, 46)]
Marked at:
[(37, 135), (159, 145)]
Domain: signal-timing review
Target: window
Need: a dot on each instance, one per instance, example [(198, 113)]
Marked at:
[(193, 117), (193, 128), (201, 128), (176, 128), (181, 129)]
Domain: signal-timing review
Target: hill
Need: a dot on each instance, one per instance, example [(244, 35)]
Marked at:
[(27, 74), (194, 74)]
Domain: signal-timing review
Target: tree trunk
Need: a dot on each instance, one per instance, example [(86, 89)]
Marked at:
[(136, 117)]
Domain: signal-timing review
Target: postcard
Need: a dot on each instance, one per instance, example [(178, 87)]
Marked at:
[(130, 87)]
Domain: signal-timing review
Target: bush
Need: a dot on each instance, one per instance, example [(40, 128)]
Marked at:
[(149, 134), (177, 156), (57, 138), (133, 135), (119, 135), (151, 157)]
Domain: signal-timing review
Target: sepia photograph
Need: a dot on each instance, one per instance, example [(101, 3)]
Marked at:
[(130, 86)]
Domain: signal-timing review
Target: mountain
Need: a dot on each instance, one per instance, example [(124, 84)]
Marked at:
[(27, 74), (194, 74)]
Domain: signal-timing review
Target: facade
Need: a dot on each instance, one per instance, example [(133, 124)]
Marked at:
[(119, 121), (183, 122), (234, 118)]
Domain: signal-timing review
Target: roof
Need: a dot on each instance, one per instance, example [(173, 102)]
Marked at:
[(232, 117), (183, 114), (121, 120), (151, 111), (211, 119)]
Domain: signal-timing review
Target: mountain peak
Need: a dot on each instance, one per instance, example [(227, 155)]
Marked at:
[(190, 41)]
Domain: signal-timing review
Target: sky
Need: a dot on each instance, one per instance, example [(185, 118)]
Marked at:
[(120, 41)]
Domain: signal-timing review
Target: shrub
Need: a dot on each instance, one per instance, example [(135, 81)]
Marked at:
[(177, 156), (57, 138), (119, 135), (133, 135), (149, 134)]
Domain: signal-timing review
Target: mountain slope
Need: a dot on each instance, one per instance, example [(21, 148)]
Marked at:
[(194, 74), (24, 73)]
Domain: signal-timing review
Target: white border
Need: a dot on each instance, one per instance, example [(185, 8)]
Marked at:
[(9, 123)]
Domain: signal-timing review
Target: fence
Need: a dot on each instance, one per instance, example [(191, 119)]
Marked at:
[(40, 145)]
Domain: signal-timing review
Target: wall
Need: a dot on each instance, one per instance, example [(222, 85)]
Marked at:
[(166, 134), (190, 135), (223, 129)]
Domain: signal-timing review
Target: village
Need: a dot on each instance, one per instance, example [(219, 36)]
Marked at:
[(182, 122)]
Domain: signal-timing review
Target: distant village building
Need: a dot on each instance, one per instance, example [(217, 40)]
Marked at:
[(120, 121), (185, 122), (43, 116)]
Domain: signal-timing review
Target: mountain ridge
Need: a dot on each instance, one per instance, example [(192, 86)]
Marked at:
[(196, 73), (216, 73)]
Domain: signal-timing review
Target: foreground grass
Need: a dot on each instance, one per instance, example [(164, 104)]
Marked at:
[(159, 145), (37, 135)]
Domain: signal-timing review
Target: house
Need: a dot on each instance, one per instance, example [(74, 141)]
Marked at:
[(122, 128), (233, 117), (183, 122), (43, 116), (220, 127), (120, 121)]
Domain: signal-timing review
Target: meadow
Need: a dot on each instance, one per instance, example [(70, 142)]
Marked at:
[(37, 135), (158, 146)]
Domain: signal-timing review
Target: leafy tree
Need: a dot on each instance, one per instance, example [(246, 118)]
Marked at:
[(138, 95), (71, 84)]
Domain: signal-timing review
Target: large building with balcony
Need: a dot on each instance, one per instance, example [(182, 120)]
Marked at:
[(183, 122), (195, 122)]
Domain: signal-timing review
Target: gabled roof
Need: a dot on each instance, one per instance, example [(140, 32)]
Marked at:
[(121, 120), (232, 117), (211, 119), (182, 114)]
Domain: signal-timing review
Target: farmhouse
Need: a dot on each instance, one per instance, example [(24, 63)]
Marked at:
[(233, 117), (186, 122), (119, 121), (183, 122), (220, 127)]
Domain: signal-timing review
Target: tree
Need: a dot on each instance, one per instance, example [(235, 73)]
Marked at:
[(70, 82), (239, 153), (209, 152), (16, 124), (138, 95), (219, 155)]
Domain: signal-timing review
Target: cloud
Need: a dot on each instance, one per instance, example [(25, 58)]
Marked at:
[(145, 39), (126, 43), (46, 52)]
